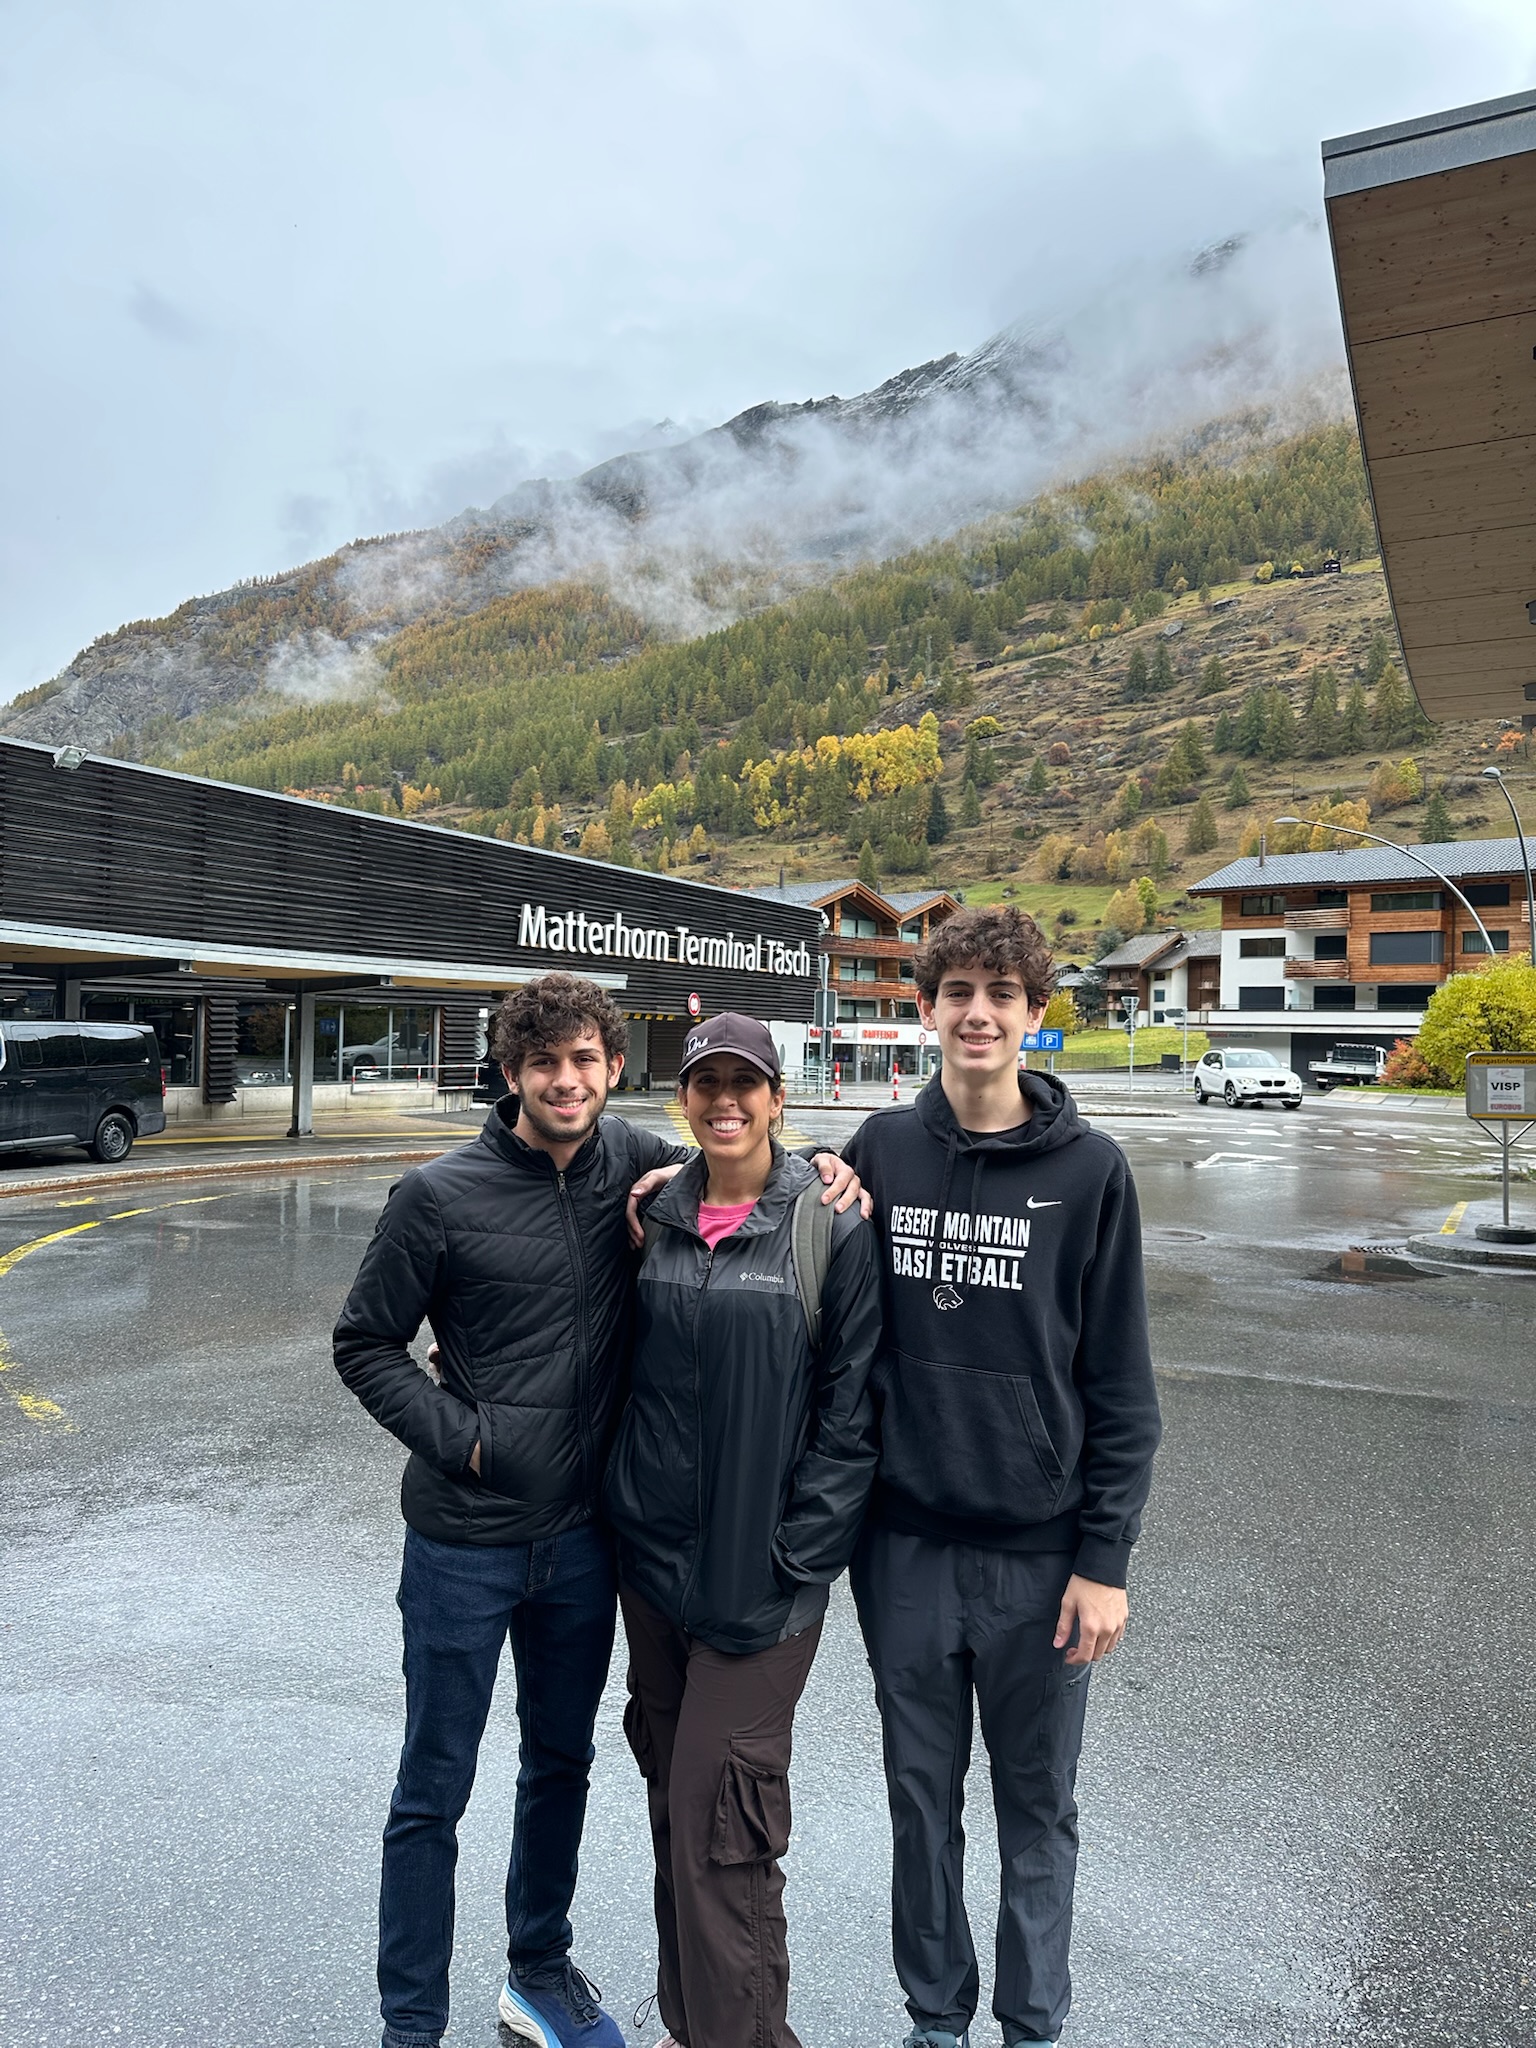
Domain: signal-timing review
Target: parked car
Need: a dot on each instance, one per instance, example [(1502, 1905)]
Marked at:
[(1240, 1076), (1356, 1066), (97, 1085)]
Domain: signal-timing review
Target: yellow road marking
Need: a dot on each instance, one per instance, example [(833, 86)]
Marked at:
[(79, 1202), (269, 1138), (1448, 1227), (35, 1408), (23, 1251), (790, 1136)]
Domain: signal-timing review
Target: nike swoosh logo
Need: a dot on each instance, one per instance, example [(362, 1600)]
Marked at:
[(1033, 1204)]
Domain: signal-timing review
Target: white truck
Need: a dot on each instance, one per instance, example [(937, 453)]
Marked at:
[(1355, 1066)]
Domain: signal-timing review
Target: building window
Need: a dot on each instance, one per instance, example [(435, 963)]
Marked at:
[(1268, 998), (1333, 899), (374, 1042), (173, 1023), (913, 933), (1487, 895), (1472, 942), (261, 1045), (1261, 906), (854, 926), (859, 970), (906, 971), (1333, 995), (1406, 899), (851, 1012), (1261, 949), (1410, 996), (908, 1011), (1407, 949), (1331, 946)]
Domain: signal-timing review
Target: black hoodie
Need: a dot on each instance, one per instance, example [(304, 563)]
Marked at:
[(1014, 1393)]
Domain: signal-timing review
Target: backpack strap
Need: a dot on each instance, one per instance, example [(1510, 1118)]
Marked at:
[(811, 1250)]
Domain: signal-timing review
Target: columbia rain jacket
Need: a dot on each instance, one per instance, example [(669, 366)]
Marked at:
[(744, 1456)]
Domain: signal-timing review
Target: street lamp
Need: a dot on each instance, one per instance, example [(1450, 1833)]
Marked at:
[(1497, 775), (1321, 825)]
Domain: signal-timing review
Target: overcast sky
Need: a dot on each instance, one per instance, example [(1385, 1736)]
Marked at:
[(277, 274)]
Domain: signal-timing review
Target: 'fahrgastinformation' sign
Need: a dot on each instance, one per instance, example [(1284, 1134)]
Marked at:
[(612, 937), (1501, 1085)]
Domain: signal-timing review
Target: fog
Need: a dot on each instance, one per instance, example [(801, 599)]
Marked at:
[(278, 277)]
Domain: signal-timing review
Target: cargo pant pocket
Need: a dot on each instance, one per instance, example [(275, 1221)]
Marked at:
[(637, 1734), (752, 1812)]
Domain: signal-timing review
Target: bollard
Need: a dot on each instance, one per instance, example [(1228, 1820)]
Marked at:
[(895, 1086), (837, 1080)]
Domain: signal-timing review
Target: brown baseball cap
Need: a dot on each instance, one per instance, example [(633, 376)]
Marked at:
[(731, 1032)]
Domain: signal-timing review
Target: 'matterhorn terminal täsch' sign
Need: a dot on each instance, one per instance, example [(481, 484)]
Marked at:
[(610, 937)]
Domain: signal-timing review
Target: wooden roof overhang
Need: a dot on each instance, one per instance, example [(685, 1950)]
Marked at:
[(1433, 225)]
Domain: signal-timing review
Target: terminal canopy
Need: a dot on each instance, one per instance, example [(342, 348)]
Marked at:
[(1433, 225)]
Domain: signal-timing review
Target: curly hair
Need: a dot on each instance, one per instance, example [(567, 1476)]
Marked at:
[(1006, 940), (551, 1010)]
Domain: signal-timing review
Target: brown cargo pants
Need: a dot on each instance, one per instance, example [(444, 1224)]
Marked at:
[(711, 1734)]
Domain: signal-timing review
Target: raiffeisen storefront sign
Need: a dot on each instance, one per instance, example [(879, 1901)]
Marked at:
[(610, 936)]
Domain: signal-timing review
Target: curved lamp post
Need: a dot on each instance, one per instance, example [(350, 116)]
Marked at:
[(1321, 825), (1497, 775)]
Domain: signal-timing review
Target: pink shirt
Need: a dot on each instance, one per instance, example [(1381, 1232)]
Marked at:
[(718, 1220)]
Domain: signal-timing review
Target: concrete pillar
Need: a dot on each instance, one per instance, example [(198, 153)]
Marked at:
[(66, 1001), (302, 1061)]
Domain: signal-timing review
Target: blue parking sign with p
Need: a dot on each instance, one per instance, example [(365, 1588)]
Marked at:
[(1043, 1041)]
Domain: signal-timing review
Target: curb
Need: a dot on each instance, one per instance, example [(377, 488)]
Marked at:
[(209, 1169), (1451, 1251)]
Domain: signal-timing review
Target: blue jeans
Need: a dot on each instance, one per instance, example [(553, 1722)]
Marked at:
[(460, 1602)]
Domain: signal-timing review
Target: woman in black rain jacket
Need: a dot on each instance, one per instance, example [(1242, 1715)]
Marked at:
[(736, 1491)]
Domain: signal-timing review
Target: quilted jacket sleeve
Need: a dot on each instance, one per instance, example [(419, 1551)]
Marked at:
[(397, 1283)]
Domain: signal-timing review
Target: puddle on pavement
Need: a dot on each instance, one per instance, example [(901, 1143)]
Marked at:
[(1368, 1264)]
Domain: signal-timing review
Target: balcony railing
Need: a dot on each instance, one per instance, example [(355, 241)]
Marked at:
[(1335, 920), (1317, 970)]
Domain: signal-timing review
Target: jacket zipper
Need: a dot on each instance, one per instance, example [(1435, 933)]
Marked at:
[(698, 1439), (583, 1360)]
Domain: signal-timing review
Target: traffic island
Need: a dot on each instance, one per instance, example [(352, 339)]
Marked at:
[(1473, 1251)]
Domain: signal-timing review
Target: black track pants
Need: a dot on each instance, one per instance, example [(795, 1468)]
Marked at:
[(944, 1621)]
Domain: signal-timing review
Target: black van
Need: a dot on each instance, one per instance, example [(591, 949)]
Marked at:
[(97, 1085)]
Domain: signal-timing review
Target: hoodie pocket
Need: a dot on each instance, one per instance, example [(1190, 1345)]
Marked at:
[(752, 1811), (966, 1443)]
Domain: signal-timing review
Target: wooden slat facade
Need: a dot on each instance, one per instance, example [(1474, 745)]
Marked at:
[(1434, 240)]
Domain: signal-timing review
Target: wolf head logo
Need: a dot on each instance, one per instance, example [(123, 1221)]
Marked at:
[(946, 1297)]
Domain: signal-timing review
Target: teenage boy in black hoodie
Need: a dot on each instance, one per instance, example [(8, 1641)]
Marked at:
[(1018, 1421)]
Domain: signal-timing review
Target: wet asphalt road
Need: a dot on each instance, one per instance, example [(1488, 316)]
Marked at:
[(1307, 1780)]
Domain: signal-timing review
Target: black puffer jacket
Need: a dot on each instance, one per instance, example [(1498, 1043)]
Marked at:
[(524, 1274), (743, 1458)]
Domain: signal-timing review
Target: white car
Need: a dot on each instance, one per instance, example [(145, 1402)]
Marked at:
[(1240, 1076)]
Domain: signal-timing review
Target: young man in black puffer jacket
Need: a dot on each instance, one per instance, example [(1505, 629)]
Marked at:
[(1017, 1419), (515, 1249)]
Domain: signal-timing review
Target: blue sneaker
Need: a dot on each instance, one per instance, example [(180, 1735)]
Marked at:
[(936, 2037), (556, 2006)]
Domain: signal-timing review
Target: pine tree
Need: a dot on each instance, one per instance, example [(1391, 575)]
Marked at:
[(1222, 740), (1379, 659), (1201, 835), (1437, 826), (1279, 728), (1213, 677), (1193, 750), (1354, 723), (1237, 789), (970, 805), (869, 873), (1146, 889), (1389, 707), (1162, 676), (1320, 726), (1253, 718), (1137, 685), (937, 829), (1038, 781), (1128, 801)]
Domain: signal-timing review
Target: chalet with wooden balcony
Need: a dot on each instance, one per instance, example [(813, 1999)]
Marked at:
[(1169, 971), (1353, 944), (869, 942)]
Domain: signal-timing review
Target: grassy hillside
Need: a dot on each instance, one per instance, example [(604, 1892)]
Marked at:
[(1048, 706)]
